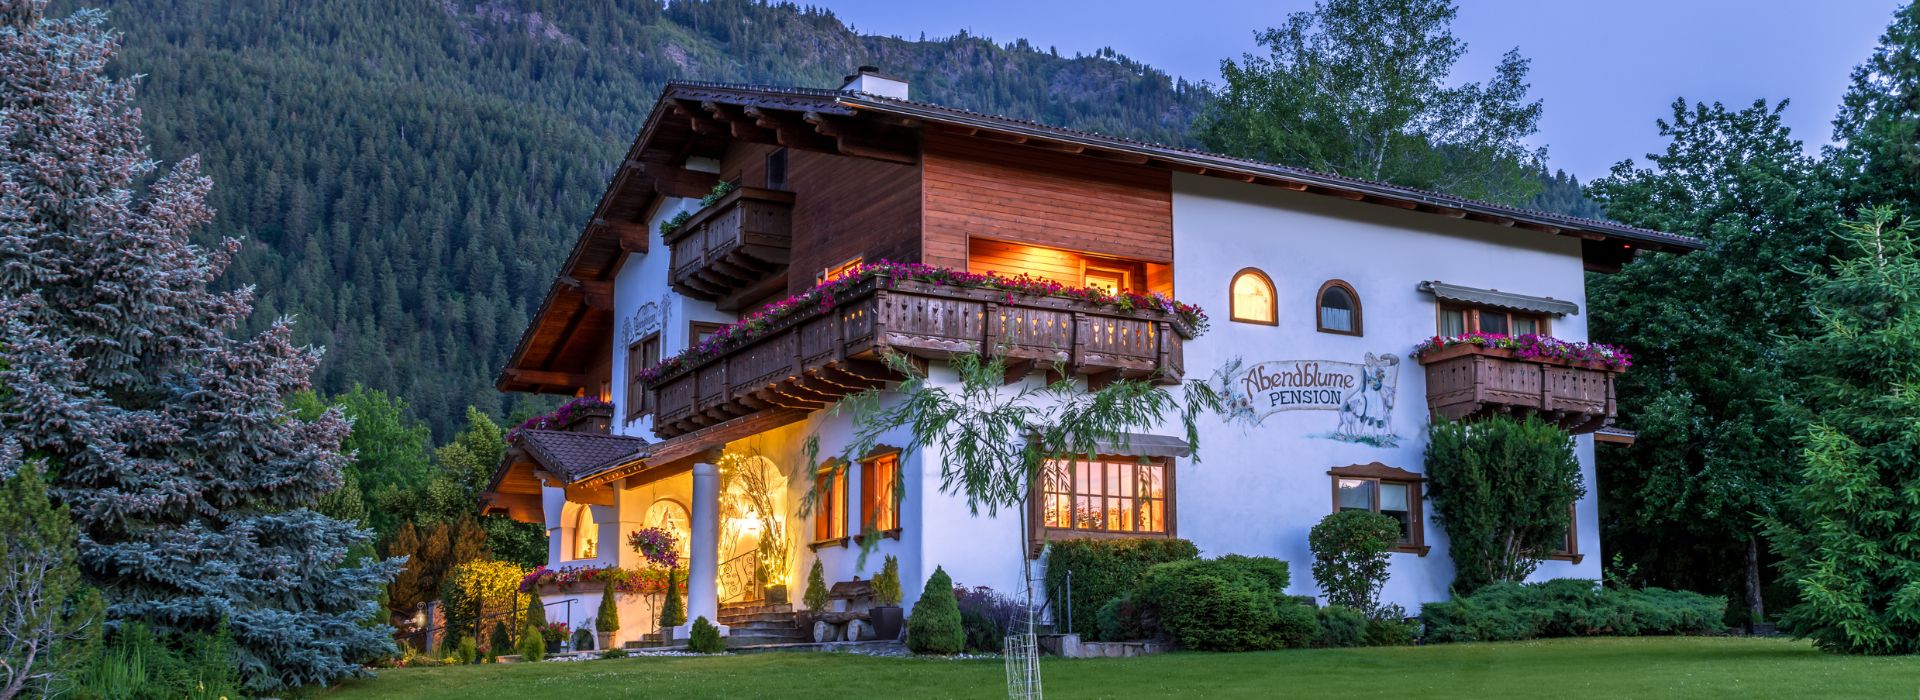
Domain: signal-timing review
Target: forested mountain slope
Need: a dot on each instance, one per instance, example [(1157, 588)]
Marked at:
[(411, 172)]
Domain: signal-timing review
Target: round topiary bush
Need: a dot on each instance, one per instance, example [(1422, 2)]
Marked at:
[(935, 627), (705, 638), (1340, 627)]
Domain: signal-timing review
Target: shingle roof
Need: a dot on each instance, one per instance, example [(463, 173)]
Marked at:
[(571, 455)]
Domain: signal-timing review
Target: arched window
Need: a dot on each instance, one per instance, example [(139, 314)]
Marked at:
[(586, 534), (1339, 310), (1253, 300)]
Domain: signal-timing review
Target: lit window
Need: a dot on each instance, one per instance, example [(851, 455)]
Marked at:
[(838, 271), (1339, 308), (1389, 491), (1460, 319), (1253, 300), (586, 535), (879, 494), (1106, 279), (1113, 494), (830, 511)]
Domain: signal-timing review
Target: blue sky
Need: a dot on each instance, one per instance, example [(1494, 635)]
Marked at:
[(1605, 69)]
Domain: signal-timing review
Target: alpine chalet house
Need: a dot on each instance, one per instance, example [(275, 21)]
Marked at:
[(690, 320)]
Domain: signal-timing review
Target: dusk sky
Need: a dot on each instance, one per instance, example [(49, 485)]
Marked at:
[(1606, 70)]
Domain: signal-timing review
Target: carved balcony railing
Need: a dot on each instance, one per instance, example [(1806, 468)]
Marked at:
[(740, 240), (1469, 381), (808, 360)]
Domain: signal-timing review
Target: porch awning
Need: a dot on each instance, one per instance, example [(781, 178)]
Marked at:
[(1498, 299), (1138, 445)]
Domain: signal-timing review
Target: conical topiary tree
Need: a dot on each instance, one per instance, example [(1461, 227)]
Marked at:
[(934, 627), (886, 586), (816, 597), (536, 612), (673, 613), (190, 481), (499, 642), (607, 621)]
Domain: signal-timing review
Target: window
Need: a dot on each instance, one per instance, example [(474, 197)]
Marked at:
[(777, 170), (1460, 319), (1253, 300), (1570, 547), (1389, 491), (1106, 279), (879, 495), (699, 331), (838, 271), (830, 511), (1121, 495), (586, 535), (1339, 308), (642, 354)]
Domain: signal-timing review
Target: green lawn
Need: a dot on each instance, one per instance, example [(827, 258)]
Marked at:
[(1666, 667)]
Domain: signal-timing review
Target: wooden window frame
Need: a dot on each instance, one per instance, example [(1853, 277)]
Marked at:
[(1036, 509), (786, 165), (694, 329), (1382, 474), (870, 493), (1125, 275), (830, 510), (1572, 553), (1319, 303), (1543, 322), (636, 360), (1273, 300), (828, 272)]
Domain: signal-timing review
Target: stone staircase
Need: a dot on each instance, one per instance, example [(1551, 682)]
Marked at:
[(758, 623)]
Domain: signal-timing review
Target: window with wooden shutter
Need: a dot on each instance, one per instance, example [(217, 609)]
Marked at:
[(642, 354), (830, 510), (879, 495)]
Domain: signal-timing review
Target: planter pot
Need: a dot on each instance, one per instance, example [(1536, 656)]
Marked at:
[(603, 640), (775, 595), (553, 647), (886, 622)]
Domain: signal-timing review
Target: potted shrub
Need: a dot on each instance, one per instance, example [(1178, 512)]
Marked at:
[(607, 621), (886, 592), (816, 597), (555, 635), (673, 613)]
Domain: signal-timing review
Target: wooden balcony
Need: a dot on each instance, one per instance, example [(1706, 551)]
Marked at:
[(811, 359), (1468, 381), (739, 242)]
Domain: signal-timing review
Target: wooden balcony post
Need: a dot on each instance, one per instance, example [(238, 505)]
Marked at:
[(990, 331)]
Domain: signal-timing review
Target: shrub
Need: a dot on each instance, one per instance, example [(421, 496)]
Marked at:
[(465, 652), (816, 596), (583, 639), (533, 644), (536, 616), (1120, 620), (705, 638), (986, 616), (1388, 626), (500, 642), (886, 586), (673, 613), (1340, 626), (1232, 603), (614, 653), (480, 589), (1501, 487), (1350, 556), (1568, 608), (1103, 570), (935, 627), (607, 618)]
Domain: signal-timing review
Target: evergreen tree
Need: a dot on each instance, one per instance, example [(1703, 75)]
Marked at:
[(51, 619), (1501, 487), (1359, 88), (189, 479), (1714, 451), (674, 612), (934, 627), (1848, 536)]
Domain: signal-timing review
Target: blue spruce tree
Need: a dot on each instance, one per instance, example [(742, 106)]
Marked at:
[(191, 483)]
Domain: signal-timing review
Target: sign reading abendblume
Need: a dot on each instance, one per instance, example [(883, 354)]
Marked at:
[(1361, 392)]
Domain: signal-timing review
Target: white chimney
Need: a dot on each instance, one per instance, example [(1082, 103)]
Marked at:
[(868, 79)]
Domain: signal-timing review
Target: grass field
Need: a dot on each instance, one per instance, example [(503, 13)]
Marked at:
[(1563, 669)]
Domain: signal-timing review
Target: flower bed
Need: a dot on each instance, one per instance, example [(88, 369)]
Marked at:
[(558, 418), (644, 581), (821, 297), (1534, 347)]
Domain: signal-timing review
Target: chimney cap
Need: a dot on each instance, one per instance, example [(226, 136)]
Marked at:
[(869, 80), (869, 70)]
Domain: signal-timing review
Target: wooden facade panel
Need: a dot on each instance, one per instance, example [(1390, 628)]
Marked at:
[(980, 189), (843, 207)]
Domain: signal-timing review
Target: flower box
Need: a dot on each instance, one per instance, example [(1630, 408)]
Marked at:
[(1466, 380)]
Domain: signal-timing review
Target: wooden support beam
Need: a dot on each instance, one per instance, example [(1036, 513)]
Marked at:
[(1059, 146), (863, 148), (546, 378), (599, 293), (1001, 137), (1119, 156), (681, 182)]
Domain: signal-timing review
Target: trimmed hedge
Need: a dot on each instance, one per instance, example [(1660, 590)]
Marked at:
[(1232, 603), (1105, 569), (1568, 608), (1341, 626)]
